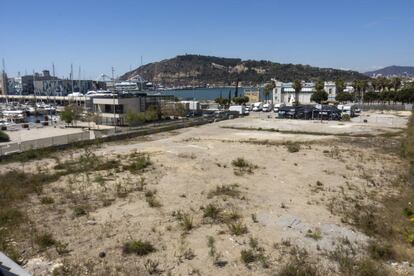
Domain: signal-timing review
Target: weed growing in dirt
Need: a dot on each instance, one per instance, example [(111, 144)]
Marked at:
[(47, 200), (293, 147), (212, 211), (138, 163), (140, 248), (299, 264), (152, 201), (211, 243), (225, 190), (186, 221), (316, 234), (44, 240), (242, 166), (237, 228), (79, 211)]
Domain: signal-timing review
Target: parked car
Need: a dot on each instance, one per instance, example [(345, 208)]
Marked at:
[(278, 106), (267, 107), (257, 106), (327, 112), (307, 112), (291, 112)]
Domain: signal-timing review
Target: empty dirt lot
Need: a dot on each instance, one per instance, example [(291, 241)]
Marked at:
[(250, 196)]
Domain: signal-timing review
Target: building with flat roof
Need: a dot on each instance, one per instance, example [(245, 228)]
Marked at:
[(113, 108), (284, 93)]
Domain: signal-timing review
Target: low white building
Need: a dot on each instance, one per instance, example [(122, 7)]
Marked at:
[(285, 93), (113, 108)]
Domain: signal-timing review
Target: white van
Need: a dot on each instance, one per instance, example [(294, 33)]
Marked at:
[(348, 109), (257, 106), (239, 108)]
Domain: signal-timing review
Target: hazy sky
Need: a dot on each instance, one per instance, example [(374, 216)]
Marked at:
[(97, 34)]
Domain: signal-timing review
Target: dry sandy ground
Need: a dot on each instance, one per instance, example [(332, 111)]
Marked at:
[(282, 195)]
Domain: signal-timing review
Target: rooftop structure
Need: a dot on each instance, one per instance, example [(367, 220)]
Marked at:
[(285, 93)]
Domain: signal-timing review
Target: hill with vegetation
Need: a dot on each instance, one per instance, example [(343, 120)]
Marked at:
[(200, 70), (397, 71)]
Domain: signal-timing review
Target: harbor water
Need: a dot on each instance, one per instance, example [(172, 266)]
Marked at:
[(201, 94)]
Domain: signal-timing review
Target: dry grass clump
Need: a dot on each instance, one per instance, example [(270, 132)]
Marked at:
[(351, 264), (315, 234), (80, 210), (212, 211), (293, 147), (45, 240), (242, 166), (225, 190), (300, 264), (140, 248), (237, 228), (47, 200), (186, 222), (253, 254), (87, 162), (151, 199), (138, 162)]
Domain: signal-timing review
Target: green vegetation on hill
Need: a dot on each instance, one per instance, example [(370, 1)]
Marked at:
[(201, 70)]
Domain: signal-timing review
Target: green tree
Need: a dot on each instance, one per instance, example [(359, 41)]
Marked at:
[(71, 113), (319, 86), (343, 97), (241, 100), (340, 86), (222, 101), (268, 88), (297, 85), (363, 84), (319, 96), (396, 83), (133, 118)]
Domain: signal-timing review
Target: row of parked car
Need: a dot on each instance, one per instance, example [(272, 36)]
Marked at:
[(324, 112), (319, 111)]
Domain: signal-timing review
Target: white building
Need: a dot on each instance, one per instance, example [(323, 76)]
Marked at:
[(285, 93)]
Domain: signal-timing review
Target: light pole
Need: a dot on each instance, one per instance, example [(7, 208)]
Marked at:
[(113, 97)]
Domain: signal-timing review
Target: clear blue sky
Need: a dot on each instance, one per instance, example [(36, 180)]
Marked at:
[(98, 34)]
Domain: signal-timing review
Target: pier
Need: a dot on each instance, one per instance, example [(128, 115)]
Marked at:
[(61, 100)]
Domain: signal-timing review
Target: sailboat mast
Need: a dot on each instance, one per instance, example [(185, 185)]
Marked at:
[(71, 76), (79, 77)]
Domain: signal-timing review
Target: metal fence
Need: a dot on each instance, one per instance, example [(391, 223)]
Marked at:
[(382, 106)]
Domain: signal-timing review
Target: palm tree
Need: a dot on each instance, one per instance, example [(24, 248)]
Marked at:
[(297, 85), (357, 88), (319, 86), (364, 86), (396, 83), (340, 86), (268, 88)]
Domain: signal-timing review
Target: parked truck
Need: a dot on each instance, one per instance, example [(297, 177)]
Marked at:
[(239, 108)]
